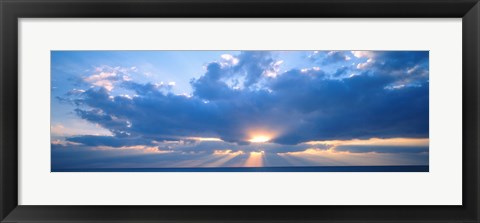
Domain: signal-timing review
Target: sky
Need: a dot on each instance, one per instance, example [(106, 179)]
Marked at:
[(157, 109)]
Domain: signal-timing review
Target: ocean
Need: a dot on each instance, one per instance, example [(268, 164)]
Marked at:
[(260, 169)]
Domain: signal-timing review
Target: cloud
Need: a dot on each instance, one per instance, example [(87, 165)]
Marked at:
[(75, 92), (360, 54), (253, 64), (229, 60), (356, 107), (382, 149), (409, 68), (91, 140), (319, 157), (296, 106), (106, 76), (330, 57), (404, 142), (76, 128), (366, 64)]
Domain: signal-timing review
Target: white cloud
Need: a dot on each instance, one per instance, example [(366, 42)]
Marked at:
[(106, 76), (79, 128), (76, 91), (360, 54), (366, 64), (229, 59), (275, 69), (413, 69)]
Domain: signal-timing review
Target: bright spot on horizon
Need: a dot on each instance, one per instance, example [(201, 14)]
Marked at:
[(260, 139)]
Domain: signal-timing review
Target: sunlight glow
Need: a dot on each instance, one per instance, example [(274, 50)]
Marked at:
[(228, 152), (375, 142), (259, 139), (329, 157), (204, 139)]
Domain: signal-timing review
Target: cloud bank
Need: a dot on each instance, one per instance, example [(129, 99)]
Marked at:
[(387, 98), (341, 95)]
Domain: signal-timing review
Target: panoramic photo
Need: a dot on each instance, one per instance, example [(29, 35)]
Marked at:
[(239, 111)]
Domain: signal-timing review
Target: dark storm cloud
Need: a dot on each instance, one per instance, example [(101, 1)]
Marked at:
[(357, 107)]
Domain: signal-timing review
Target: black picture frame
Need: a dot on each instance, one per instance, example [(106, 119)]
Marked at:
[(12, 10)]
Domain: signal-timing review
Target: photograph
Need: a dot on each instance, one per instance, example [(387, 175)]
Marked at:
[(277, 111), (239, 111)]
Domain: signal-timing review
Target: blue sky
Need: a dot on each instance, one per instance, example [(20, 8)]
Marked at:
[(131, 109)]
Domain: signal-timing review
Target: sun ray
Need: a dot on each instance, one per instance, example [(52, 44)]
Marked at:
[(225, 155), (255, 159)]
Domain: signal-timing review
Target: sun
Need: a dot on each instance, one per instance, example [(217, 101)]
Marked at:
[(259, 139)]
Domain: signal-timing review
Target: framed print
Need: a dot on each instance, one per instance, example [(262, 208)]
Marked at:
[(229, 111)]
